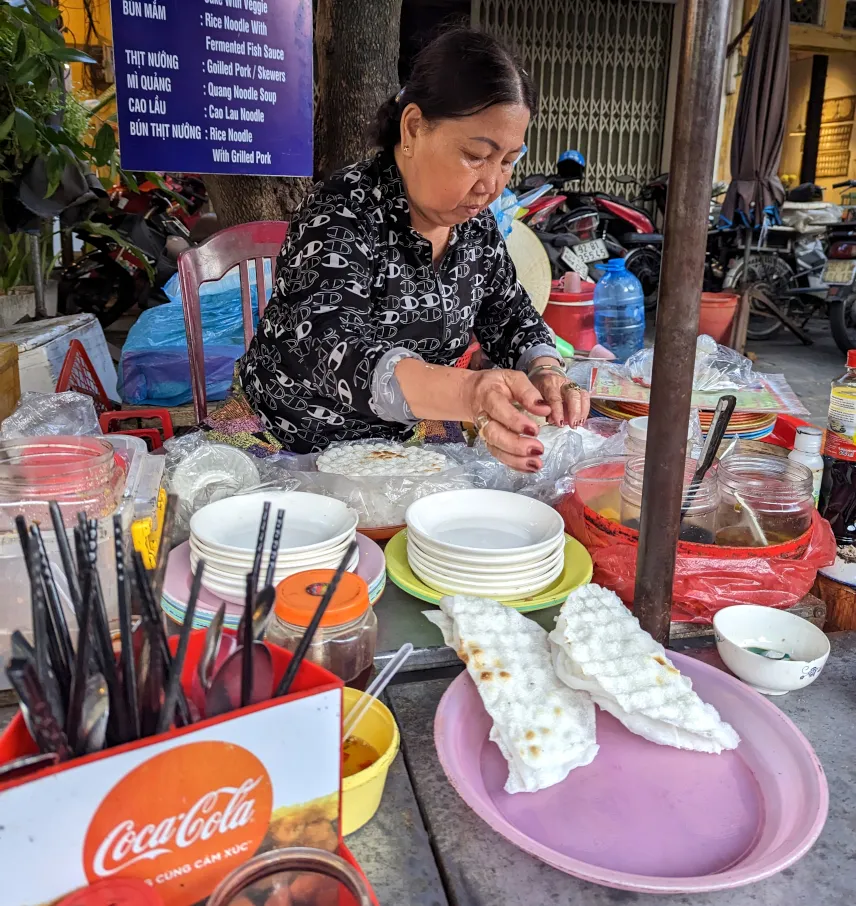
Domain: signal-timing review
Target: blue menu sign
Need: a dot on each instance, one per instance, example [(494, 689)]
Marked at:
[(214, 86)]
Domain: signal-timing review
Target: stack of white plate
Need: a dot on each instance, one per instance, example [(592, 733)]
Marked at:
[(315, 535), (494, 544)]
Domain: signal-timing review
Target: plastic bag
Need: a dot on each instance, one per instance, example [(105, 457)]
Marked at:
[(199, 471), (716, 367), (704, 583), (379, 500), (154, 368), (40, 414)]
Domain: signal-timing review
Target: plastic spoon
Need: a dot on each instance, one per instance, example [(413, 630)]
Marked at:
[(375, 690)]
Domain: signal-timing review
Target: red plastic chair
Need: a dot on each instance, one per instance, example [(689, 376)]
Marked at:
[(235, 246)]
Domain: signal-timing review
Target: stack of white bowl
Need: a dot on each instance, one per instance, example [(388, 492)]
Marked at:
[(316, 533), (493, 544)]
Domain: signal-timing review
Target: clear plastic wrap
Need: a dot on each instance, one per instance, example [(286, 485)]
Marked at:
[(199, 472), (716, 367), (42, 414)]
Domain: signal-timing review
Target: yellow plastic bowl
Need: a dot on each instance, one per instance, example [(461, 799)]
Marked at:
[(362, 792)]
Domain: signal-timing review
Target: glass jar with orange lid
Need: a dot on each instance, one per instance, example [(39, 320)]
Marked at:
[(345, 641)]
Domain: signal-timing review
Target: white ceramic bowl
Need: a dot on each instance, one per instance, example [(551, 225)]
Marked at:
[(528, 573), (217, 580), (745, 625), (486, 523), (312, 522), (228, 561), (501, 591)]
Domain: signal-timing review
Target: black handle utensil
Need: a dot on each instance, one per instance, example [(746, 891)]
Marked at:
[(129, 667), (260, 545), (306, 640), (715, 433), (245, 639), (64, 658), (274, 548), (46, 730), (174, 680), (158, 574)]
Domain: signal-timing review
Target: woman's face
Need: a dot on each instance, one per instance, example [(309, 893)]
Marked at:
[(455, 168)]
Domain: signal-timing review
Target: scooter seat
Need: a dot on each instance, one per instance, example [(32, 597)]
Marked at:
[(629, 239)]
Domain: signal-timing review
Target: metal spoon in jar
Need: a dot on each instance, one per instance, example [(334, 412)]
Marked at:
[(213, 635), (95, 715)]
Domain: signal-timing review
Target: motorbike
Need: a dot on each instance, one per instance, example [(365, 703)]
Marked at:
[(839, 274), (151, 221)]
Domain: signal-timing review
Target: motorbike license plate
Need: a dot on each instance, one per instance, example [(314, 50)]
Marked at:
[(839, 273), (573, 262), (595, 250)]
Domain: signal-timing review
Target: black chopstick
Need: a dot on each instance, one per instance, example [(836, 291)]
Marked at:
[(152, 610), (246, 642), (274, 548), (126, 634), (260, 546), (306, 640), (67, 561), (74, 716), (46, 729), (177, 666)]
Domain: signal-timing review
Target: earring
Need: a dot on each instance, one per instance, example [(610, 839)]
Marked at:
[(406, 149)]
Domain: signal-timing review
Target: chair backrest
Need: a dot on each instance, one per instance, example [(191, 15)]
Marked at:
[(235, 246)]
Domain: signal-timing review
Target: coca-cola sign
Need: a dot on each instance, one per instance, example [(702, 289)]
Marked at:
[(182, 820)]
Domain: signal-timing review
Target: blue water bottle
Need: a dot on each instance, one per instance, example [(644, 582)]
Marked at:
[(619, 310)]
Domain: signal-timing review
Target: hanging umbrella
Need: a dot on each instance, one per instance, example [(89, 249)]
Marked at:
[(759, 123)]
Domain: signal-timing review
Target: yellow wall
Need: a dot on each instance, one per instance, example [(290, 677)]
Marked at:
[(74, 20), (829, 38)]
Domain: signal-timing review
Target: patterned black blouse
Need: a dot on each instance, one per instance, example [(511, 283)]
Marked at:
[(356, 291)]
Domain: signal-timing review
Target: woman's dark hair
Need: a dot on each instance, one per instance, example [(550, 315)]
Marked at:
[(459, 73)]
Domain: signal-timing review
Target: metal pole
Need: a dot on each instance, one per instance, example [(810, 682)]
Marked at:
[(700, 73), (38, 277)]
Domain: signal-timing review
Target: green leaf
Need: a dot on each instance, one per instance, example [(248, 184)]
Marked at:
[(28, 70), (47, 12), (25, 129), (129, 180), (21, 46), (6, 125), (105, 145), (69, 55)]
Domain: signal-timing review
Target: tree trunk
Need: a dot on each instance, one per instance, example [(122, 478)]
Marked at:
[(242, 199), (356, 48)]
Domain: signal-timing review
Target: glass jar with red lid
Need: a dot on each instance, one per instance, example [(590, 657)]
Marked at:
[(345, 641)]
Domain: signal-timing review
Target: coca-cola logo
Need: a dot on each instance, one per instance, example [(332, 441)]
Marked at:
[(182, 820)]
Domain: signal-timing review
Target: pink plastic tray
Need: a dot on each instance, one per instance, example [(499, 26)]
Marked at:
[(646, 817)]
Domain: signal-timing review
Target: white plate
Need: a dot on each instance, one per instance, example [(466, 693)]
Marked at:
[(487, 523), (312, 522), (213, 472), (485, 559), (520, 576), (500, 592), (434, 557), (229, 561)]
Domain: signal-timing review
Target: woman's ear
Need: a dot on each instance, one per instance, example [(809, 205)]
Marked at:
[(411, 124)]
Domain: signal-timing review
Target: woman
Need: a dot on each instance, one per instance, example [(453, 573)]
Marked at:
[(391, 264)]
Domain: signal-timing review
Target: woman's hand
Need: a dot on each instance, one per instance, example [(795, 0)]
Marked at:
[(569, 404), (511, 436)]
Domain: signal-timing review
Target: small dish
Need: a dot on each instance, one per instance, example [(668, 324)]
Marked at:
[(502, 591), (524, 576), (491, 524), (480, 568), (743, 625), (312, 522)]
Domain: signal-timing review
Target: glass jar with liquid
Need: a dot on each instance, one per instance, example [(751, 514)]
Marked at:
[(345, 641), (699, 502), (764, 500)]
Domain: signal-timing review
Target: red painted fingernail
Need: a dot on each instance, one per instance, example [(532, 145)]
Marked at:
[(541, 403), (532, 465), (536, 451), (531, 430), (561, 423)]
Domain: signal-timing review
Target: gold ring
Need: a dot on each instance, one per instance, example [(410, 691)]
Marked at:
[(570, 385), (481, 422)]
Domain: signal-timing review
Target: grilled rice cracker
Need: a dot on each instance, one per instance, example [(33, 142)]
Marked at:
[(600, 648), (543, 729)]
